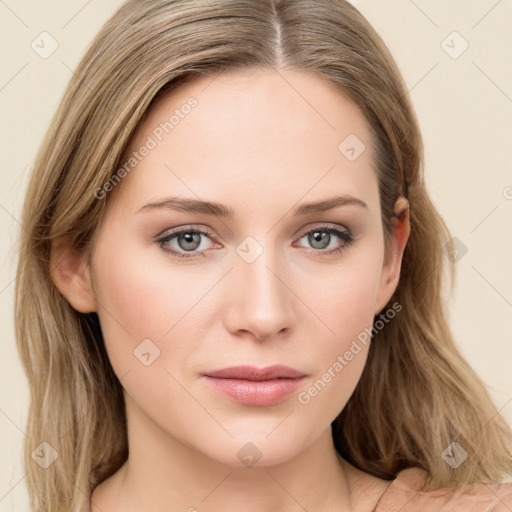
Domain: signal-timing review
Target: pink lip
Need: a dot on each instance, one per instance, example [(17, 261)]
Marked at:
[(256, 387)]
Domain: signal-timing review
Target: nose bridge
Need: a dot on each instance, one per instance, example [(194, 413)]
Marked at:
[(261, 302)]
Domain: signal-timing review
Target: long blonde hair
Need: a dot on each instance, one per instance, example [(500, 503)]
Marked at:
[(416, 394)]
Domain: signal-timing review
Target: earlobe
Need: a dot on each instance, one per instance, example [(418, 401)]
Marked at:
[(391, 270), (70, 272)]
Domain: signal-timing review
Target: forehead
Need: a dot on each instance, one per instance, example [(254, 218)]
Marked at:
[(257, 132)]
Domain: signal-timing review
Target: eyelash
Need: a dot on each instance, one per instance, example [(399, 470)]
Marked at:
[(344, 235)]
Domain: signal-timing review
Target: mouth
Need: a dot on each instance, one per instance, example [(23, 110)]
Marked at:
[(255, 387)]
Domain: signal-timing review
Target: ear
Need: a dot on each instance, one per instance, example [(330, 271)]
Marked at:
[(70, 272), (393, 260)]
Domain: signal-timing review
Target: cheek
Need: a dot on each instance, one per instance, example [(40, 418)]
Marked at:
[(144, 308), (347, 302), (140, 301), (343, 298), (346, 308)]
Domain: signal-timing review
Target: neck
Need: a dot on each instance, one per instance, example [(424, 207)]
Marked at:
[(162, 474)]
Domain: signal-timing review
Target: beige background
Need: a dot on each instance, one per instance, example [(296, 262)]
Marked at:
[(465, 111)]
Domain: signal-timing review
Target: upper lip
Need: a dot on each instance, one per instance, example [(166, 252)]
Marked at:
[(277, 371)]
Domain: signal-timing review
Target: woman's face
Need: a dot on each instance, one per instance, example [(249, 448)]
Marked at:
[(274, 282)]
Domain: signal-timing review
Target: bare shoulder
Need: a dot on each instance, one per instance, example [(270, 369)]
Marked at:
[(407, 494), (365, 489)]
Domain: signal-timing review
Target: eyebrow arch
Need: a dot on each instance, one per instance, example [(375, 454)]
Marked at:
[(220, 210)]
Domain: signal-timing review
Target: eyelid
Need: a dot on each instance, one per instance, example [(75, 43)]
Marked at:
[(185, 227), (210, 232), (169, 234)]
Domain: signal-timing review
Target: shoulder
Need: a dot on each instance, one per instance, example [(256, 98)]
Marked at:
[(405, 494)]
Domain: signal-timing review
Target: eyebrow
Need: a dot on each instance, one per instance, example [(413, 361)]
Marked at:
[(220, 210)]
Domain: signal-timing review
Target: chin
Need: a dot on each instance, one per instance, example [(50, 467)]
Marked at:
[(256, 450)]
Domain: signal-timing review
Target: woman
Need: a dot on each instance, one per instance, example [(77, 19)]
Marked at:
[(229, 288)]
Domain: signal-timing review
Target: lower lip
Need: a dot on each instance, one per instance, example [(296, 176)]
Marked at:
[(255, 393)]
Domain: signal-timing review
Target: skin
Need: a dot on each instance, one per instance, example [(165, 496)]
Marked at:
[(262, 147)]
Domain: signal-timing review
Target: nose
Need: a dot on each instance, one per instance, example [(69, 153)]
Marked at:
[(260, 301)]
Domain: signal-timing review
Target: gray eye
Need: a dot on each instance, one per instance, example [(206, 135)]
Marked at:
[(319, 239), (188, 240)]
